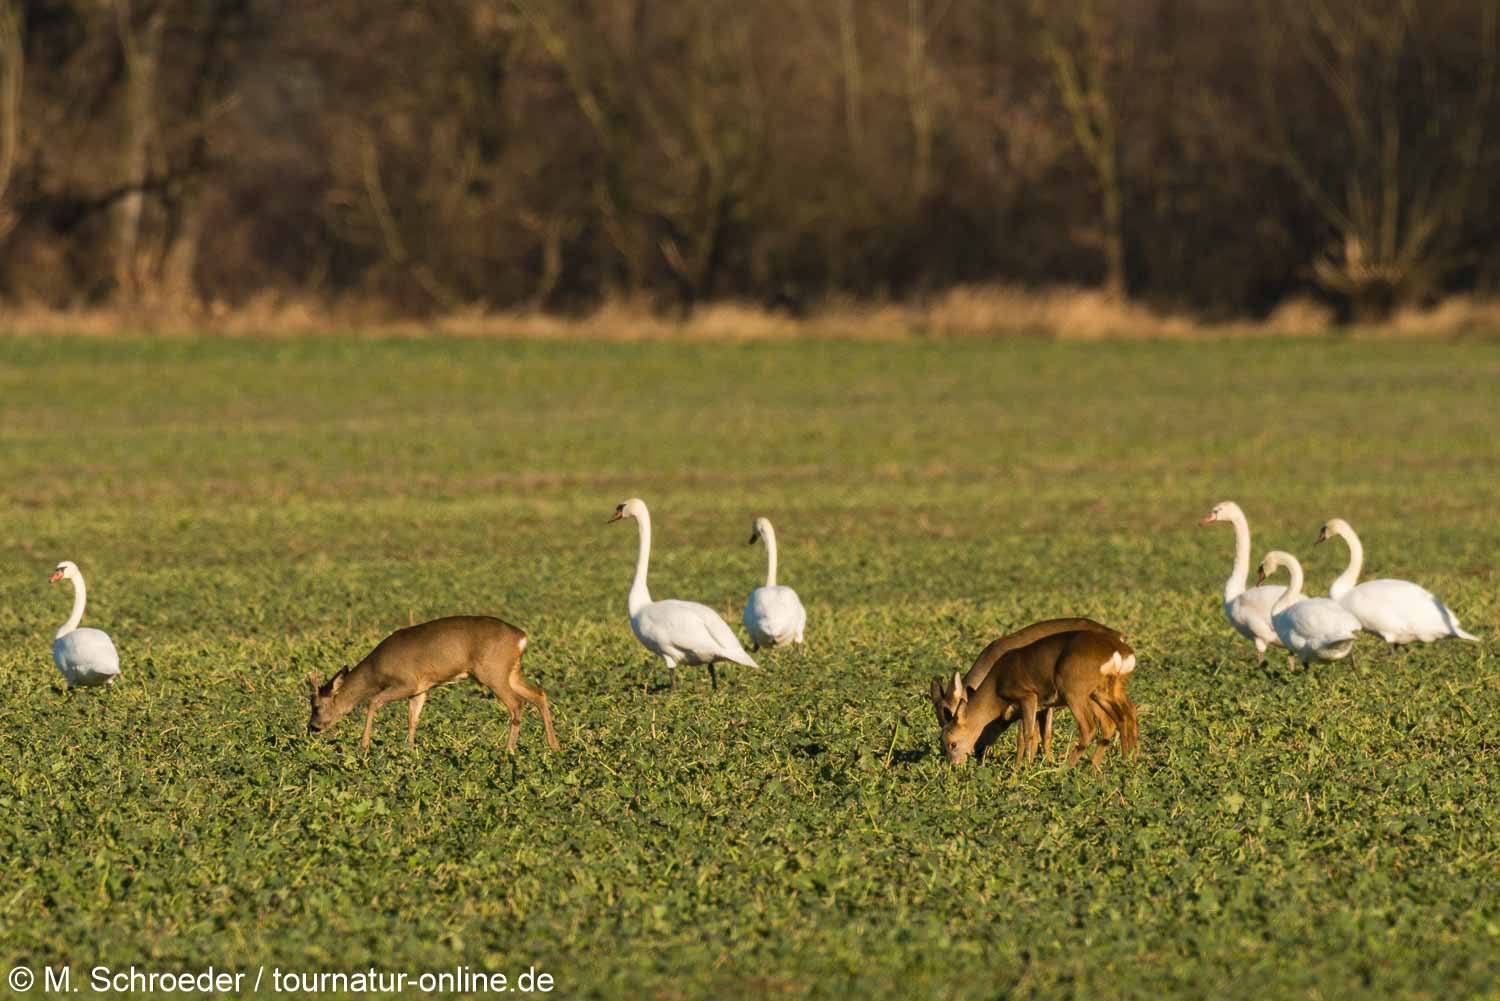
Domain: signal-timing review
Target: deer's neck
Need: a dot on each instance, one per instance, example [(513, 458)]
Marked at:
[(359, 684)]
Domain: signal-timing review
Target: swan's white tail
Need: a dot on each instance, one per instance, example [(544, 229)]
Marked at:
[(1458, 631), (741, 657), (1117, 664)]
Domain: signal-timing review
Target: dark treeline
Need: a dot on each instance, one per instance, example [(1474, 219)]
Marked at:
[(1217, 155)]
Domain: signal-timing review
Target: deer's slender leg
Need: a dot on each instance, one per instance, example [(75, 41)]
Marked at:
[(375, 704), (413, 710), (537, 697), (1082, 715)]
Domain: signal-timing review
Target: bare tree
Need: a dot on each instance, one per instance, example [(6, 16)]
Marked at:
[(679, 122), (1409, 140), (141, 44), (1081, 49)]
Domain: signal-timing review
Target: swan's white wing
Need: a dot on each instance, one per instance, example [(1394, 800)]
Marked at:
[(1317, 623), (1250, 613), (86, 657), (774, 615), (692, 632), (1400, 611)]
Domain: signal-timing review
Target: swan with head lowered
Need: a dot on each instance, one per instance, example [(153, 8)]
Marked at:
[(1397, 611), (85, 657), (679, 632), (774, 615), (1248, 609), (1310, 628)]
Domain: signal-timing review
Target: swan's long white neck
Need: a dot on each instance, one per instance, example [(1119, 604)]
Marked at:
[(1346, 580), (640, 597), (769, 535), (80, 596), (1235, 585), (1293, 592)]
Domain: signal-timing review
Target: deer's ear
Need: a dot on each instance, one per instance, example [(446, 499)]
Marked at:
[(957, 691), (337, 682)]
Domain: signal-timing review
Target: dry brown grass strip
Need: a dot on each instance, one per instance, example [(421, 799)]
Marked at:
[(979, 311)]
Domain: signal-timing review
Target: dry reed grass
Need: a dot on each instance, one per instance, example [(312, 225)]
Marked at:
[(969, 311)]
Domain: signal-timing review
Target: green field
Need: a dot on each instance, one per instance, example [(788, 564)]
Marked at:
[(248, 511)]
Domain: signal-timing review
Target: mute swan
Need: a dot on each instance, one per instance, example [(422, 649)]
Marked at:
[(84, 656), (680, 632), (1398, 611), (1308, 627), (774, 614), (1248, 611)]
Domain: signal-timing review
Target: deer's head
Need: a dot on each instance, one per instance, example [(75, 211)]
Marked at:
[(326, 710)]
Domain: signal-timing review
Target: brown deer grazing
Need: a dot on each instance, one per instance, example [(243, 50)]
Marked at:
[(1082, 668), (409, 662), (991, 654)]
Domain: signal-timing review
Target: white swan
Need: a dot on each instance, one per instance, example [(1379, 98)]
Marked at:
[(1248, 610), (1397, 611), (1309, 628), (774, 614), (680, 632), (84, 656)]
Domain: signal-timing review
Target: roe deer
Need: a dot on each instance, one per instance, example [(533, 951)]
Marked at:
[(1083, 669), (1025, 637), (409, 662)]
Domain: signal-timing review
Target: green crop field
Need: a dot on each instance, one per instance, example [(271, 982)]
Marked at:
[(248, 511)]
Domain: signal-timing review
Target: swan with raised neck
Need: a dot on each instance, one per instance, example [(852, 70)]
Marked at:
[(680, 632), (1398, 611), (773, 615), (762, 531), (1310, 628), (1247, 609), (83, 656), (640, 594), (68, 570)]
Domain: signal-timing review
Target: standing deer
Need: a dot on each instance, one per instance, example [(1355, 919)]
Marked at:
[(1083, 668), (410, 662)]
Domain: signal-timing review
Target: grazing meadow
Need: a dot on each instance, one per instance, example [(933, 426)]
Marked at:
[(247, 511)]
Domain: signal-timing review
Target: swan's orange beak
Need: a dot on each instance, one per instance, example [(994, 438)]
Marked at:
[(616, 517), (1208, 519), (56, 577)]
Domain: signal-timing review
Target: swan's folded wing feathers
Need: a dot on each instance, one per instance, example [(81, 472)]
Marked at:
[(85, 653), (775, 612), (1400, 607), (1251, 611), (1323, 620), (692, 629), (725, 643)]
